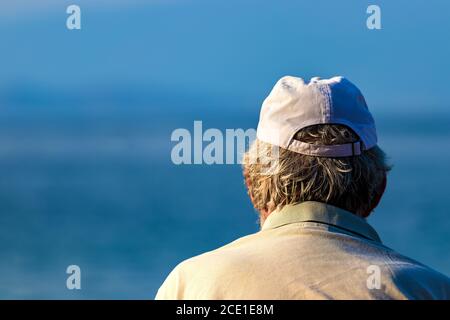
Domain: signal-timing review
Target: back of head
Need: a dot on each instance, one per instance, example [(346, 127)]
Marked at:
[(318, 139), (353, 183)]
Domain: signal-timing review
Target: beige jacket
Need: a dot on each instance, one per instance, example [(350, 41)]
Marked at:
[(306, 251)]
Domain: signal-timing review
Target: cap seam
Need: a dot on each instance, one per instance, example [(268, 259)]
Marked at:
[(329, 101)]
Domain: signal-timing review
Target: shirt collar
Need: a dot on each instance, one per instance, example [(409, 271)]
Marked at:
[(312, 211)]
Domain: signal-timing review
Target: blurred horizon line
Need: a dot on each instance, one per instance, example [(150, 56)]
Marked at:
[(31, 95)]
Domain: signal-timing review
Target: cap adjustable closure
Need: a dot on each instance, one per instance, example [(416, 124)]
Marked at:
[(335, 150)]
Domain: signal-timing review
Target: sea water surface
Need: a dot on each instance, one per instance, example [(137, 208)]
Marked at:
[(95, 187)]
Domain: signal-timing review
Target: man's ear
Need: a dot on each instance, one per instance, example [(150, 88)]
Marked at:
[(379, 195)]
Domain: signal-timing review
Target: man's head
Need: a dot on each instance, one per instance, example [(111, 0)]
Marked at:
[(324, 140)]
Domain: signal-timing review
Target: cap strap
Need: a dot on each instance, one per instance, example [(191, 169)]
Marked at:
[(332, 151)]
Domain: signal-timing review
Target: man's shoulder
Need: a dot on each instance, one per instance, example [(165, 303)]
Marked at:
[(417, 280), (228, 252), (202, 269)]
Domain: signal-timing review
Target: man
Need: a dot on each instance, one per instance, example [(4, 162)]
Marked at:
[(314, 174)]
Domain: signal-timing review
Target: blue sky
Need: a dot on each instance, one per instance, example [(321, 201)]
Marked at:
[(230, 48)]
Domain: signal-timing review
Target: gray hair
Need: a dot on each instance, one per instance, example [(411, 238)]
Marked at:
[(351, 183)]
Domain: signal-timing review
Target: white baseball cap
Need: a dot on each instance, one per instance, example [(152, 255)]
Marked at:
[(294, 104)]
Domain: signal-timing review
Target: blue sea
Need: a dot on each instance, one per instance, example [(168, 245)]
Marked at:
[(92, 184)]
